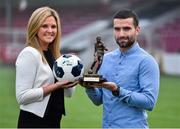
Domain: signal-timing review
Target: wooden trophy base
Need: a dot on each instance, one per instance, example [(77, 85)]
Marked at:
[(92, 78)]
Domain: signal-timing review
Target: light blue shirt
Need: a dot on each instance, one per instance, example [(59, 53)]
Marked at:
[(137, 74)]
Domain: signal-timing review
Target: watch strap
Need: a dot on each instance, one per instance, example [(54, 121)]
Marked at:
[(116, 92)]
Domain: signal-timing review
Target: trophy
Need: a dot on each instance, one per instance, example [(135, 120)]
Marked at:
[(92, 75)]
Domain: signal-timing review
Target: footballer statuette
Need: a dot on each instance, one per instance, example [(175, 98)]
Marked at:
[(92, 75)]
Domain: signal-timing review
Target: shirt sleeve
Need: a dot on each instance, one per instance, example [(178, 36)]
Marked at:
[(95, 94), (147, 95), (26, 67)]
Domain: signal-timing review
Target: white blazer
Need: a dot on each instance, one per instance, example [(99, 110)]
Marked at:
[(31, 75)]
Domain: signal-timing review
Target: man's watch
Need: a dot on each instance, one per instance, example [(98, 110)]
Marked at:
[(116, 92)]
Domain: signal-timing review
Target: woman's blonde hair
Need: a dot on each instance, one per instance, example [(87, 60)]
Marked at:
[(36, 20)]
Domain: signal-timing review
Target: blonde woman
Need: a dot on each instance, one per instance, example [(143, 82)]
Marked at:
[(40, 96)]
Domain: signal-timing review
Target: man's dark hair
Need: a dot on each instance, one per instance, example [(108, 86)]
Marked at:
[(127, 13)]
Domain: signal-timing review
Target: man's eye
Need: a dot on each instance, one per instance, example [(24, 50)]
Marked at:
[(116, 28), (126, 28)]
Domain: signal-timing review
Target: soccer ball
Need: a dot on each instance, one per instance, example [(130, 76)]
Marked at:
[(68, 67)]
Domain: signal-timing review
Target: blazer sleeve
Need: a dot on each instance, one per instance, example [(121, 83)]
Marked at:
[(26, 67)]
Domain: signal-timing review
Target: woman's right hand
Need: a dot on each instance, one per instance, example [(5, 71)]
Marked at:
[(59, 84), (65, 84)]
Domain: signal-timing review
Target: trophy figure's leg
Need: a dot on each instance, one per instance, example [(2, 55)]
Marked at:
[(99, 62), (92, 66), (91, 70)]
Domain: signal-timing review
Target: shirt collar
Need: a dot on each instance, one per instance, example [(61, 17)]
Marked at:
[(130, 50)]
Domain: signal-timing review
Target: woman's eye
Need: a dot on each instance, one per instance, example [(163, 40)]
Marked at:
[(44, 26), (53, 26)]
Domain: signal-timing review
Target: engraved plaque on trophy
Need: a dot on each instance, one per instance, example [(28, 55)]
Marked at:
[(92, 75)]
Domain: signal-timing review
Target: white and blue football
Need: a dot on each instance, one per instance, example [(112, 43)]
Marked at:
[(68, 67)]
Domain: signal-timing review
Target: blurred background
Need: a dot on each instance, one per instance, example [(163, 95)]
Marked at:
[(82, 21)]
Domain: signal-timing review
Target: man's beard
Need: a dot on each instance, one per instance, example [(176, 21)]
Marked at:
[(125, 44)]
